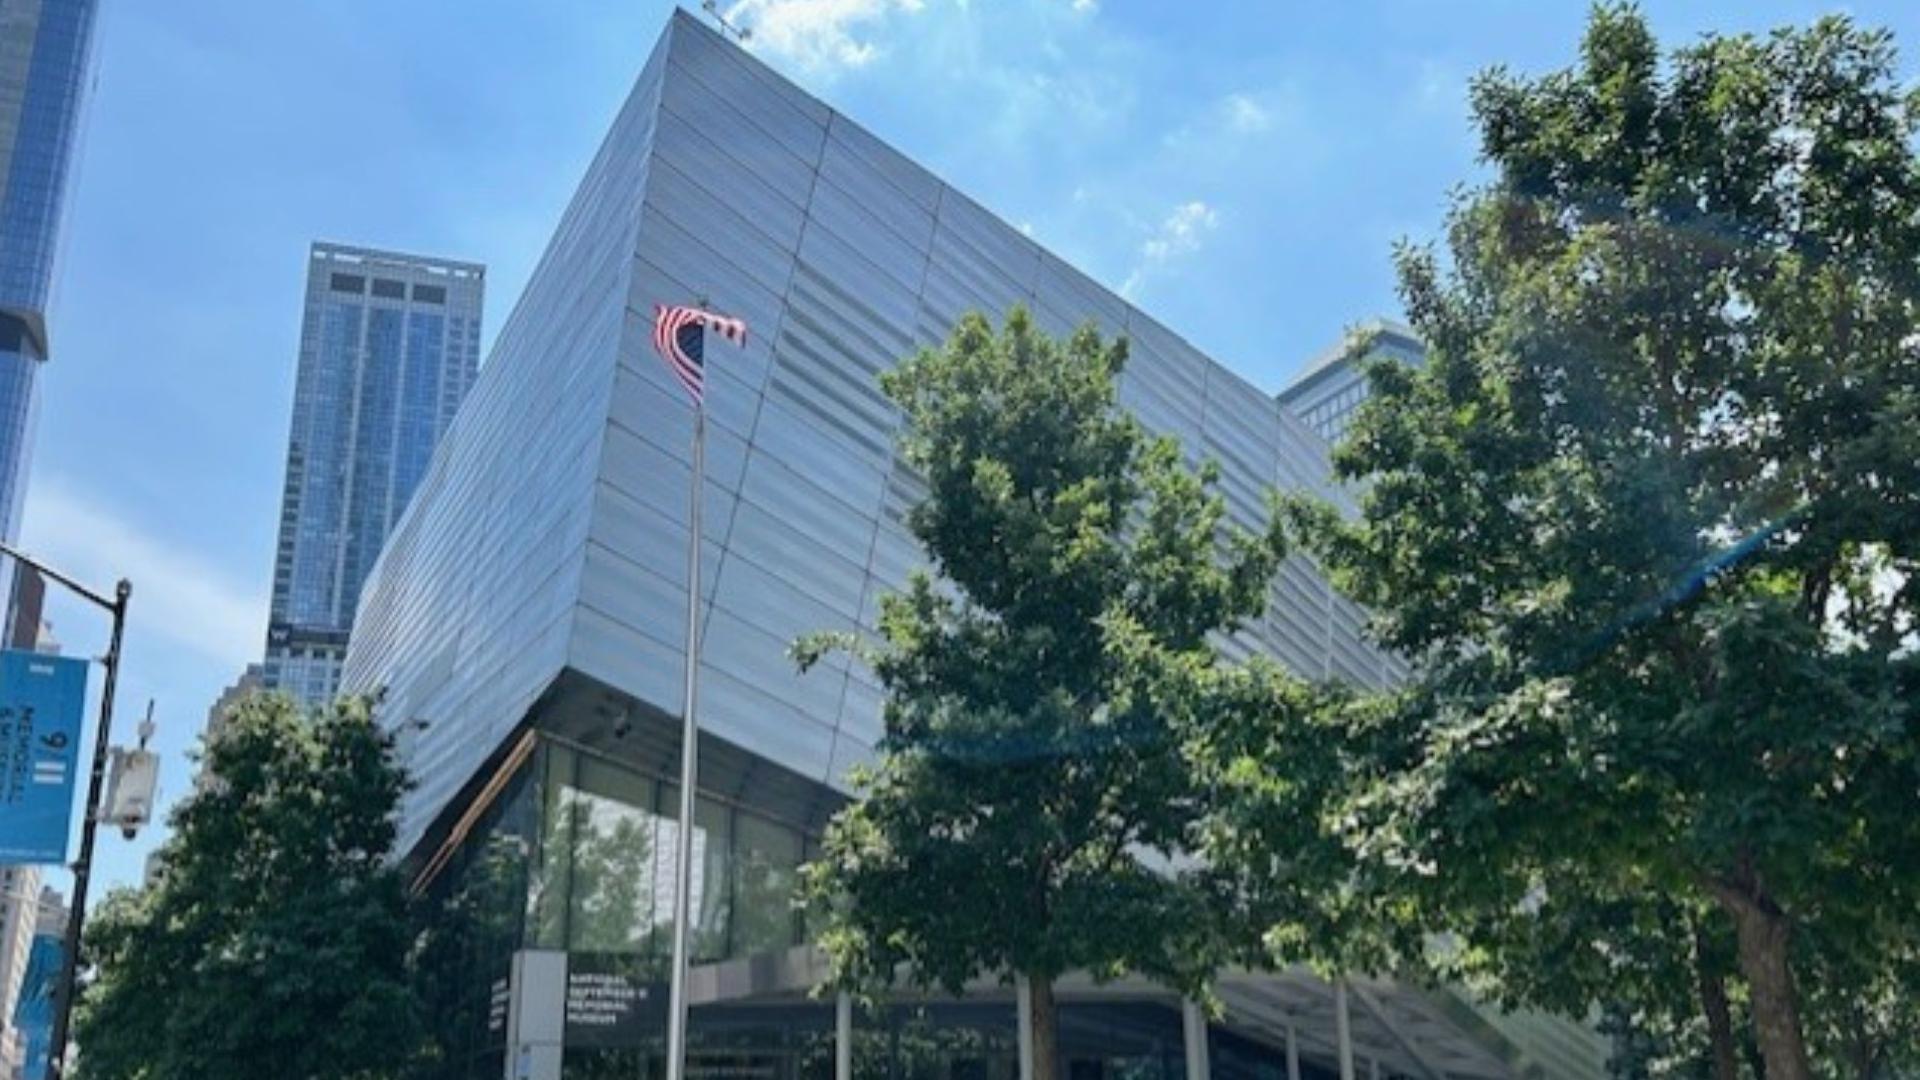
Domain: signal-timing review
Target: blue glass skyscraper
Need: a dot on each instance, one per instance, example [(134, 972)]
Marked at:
[(45, 69), (388, 346), (45, 64)]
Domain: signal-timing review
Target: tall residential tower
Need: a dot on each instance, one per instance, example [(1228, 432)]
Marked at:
[(388, 346), (45, 69)]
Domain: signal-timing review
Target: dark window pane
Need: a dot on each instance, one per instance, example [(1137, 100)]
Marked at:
[(430, 294), (392, 290), (352, 283)]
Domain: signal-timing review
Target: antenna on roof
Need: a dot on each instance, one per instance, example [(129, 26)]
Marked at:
[(741, 34)]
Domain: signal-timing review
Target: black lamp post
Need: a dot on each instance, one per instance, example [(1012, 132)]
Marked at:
[(116, 606)]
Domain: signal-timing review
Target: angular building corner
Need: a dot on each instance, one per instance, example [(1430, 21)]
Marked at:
[(523, 625)]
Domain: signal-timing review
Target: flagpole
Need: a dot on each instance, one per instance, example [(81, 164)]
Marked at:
[(689, 768)]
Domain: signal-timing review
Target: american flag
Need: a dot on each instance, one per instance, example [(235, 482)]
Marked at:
[(679, 335)]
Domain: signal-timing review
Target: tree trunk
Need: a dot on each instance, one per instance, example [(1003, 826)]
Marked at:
[(1046, 1029), (1713, 1003), (1763, 935)]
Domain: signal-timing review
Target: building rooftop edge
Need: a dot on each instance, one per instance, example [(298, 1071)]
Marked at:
[(1341, 350), (330, 249), (683, 16)]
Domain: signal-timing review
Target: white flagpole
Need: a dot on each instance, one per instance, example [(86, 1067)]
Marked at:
[(689, 768)]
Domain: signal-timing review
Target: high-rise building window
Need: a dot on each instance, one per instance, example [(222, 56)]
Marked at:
[(45, 60), (378, 385)]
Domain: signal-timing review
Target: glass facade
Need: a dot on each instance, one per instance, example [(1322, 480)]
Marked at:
[(45, 67), (604, 879), (45, 57), (573, 854), (939, 1041), (389, 347), (19, 407)]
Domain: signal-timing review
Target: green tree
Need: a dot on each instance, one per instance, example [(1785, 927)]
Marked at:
[(1647, 521), (1275, 757), (462, 947), (1024, 776), (116, 1027), (1864, 1010), (278, 937), (1657, 966)]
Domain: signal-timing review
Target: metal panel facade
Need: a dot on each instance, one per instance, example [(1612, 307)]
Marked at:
[(725, 182), (466, 618)]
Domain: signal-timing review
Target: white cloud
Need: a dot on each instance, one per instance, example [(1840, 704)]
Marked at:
[(178, 594), (1086, 5), (1246, 115), (819, 35), (1182, 233)]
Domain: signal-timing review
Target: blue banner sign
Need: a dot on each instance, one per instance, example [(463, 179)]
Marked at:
[(42, 699), (33, 1013)]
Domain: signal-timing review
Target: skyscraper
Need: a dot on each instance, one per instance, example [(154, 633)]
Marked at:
[(1333, 384), (45, 61), (388, 346)]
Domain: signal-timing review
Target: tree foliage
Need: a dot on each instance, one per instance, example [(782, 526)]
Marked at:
[(463, 945), (1030, 799), (277, 939), (1647, 521)]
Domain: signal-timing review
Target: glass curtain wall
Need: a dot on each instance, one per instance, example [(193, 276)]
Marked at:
[(942, 1041), (474, 919), (576, 854), (604, 883)]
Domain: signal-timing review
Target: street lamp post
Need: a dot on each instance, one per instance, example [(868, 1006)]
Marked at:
[(116, 606)]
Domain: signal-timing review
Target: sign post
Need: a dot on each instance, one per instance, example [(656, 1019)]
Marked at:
[(116, 605)]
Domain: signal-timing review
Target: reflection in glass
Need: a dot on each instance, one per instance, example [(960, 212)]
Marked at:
[(577, 855), (766, 863), (613, 874), (710, 893), (603, 882), (472, 920)]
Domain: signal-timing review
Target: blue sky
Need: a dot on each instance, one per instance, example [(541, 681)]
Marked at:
[(1239, 168)]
